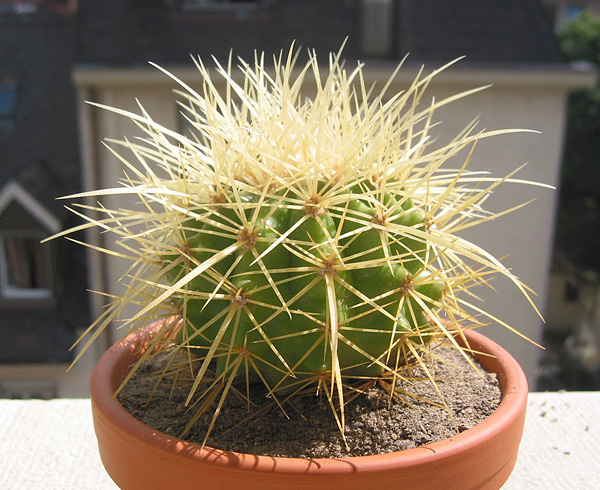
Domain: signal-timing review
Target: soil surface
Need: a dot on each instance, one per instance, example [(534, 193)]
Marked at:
[(308, 428)]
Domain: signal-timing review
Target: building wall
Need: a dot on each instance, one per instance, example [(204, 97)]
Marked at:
[(130, 32), (39, 151), (523, 237), (517, 100)]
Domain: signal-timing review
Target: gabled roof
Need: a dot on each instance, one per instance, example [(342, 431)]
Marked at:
[(12, 193)]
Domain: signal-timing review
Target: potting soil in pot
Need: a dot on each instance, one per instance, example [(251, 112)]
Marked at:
[(309, 430)]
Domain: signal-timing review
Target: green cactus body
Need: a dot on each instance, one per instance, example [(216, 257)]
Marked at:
[(301, 240), (278, 306)]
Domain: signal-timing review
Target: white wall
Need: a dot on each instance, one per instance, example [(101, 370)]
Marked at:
[(524, 237)]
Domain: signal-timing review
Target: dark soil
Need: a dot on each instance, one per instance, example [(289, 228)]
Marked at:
[(310, 430)]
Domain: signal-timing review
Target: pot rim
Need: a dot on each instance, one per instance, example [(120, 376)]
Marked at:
[(109, 372)]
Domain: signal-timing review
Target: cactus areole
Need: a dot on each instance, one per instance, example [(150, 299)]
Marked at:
[(305, 243), (335, 283)]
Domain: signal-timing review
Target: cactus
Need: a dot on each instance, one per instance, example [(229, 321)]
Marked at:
[(307, 289), (301, 244)]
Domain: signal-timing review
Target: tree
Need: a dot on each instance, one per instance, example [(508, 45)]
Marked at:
[(578, 219)]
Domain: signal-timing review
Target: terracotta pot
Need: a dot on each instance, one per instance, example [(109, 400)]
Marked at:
[(139, 457)]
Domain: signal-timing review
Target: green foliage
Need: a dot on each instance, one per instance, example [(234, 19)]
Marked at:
[(580, 38), (578, 219)]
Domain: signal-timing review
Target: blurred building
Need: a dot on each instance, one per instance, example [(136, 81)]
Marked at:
[(43, 299), (509, 44), (572, 333)]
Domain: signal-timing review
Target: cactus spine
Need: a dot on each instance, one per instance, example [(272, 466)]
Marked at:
[(300, 243)]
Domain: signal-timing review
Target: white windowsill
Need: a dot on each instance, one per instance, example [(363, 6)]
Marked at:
[(51, 444)]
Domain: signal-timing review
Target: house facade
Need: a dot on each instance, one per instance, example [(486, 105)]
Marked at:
[(43, 298)]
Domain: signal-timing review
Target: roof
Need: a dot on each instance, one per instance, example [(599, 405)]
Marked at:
[(37, 53), (126, 33), (510, 31)]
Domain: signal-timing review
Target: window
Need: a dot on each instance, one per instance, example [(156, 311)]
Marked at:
[(25, 262), (25, 267), (571, 293), (377, 27), (8, 102), (238, 6), (573, 10), (18, 8)]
